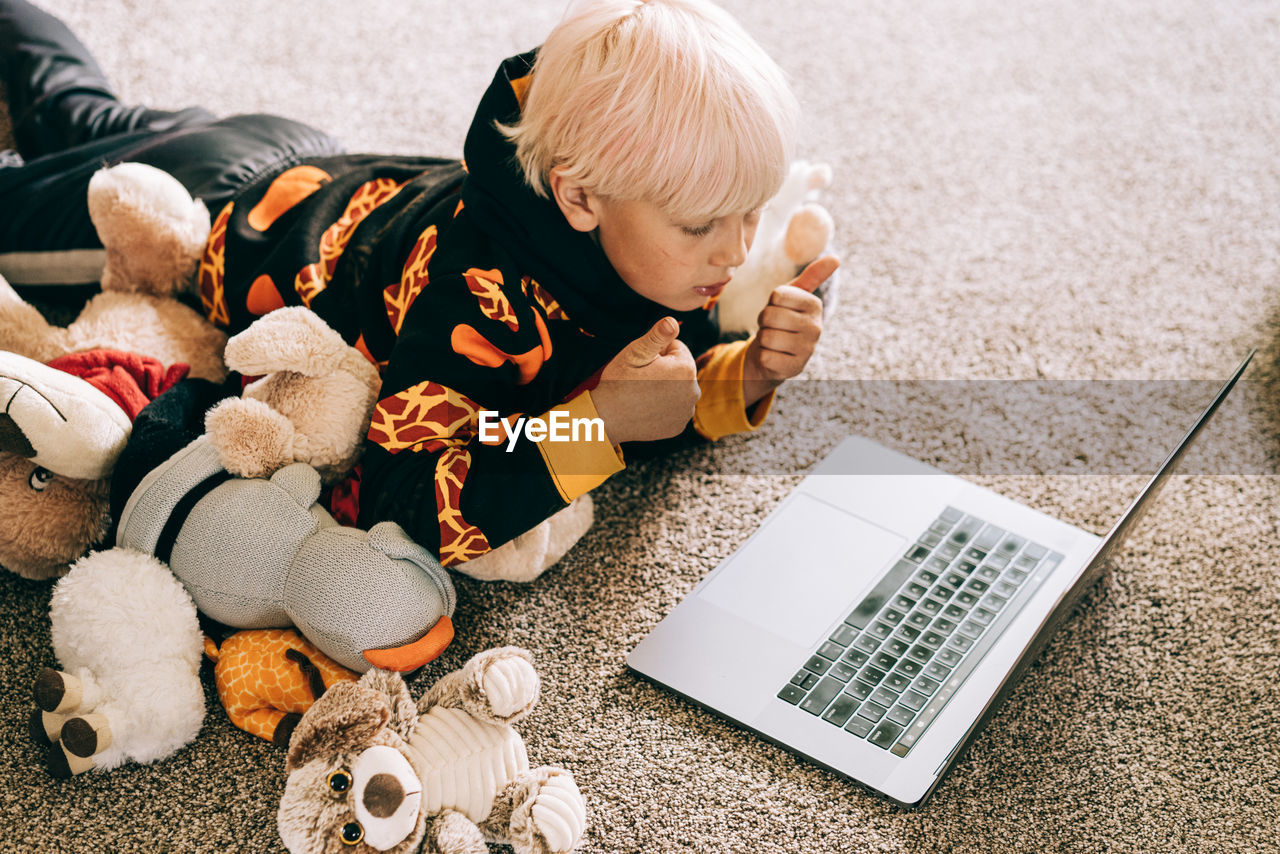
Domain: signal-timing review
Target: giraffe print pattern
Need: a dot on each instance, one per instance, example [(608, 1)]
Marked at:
[(486, 286), (546, 302), (267, 675), (413, 278), (430, 417), (314, 278), (213, 270)]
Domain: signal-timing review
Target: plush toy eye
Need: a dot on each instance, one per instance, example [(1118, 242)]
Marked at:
[(40, 479), (352, 833), (340, 781)]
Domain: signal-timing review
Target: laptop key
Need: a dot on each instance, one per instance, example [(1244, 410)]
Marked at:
[(926, 576), (934, 670), (885, 734), (791, 693), (859, 726), (950, 515), (948, 656), (872, 711), (879, 629), (925, 685), (961, 642), (906, 632), (885, 587), (892, 617), (1005, 588), (908, 666), (831, 650), (821, 696), (966, 598), (920, 653), (805, 679), (943, 626), (855, 657), (917, 553), (1010, 545), (930, 606), (867, 643), (817, 664), (842, 671), (841, 710), (919, 619), (953, 612), (884, 661), (896, 681), (859, 690), (970, 629), (871, 674), (1035, 551), (987, 573), (988, 538), (843, 635), (913, 700), (942, 592), (900, 715), (895, 647), (883, 697)]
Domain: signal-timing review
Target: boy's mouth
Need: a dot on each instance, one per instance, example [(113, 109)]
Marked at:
[(711, 290)]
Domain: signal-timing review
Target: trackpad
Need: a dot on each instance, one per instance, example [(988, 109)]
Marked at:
[(803, 569)]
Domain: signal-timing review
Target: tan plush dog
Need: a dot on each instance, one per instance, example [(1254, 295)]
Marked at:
[(60, 435), (370, 770)]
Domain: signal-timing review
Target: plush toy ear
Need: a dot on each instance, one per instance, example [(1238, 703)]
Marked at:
[(345, 718)]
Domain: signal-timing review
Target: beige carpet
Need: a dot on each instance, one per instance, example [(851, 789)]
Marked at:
[(1053, 190)]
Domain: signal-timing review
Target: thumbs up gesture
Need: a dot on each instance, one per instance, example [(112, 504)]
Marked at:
[(648, 391), (790, 326)]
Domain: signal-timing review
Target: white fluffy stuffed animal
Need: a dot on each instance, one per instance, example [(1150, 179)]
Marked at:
[(793, 231)]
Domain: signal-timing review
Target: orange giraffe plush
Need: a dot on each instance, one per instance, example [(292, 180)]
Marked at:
[(267, 678)]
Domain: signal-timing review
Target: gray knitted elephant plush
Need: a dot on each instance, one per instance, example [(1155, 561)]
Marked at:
[(370, 770), (249, 552)]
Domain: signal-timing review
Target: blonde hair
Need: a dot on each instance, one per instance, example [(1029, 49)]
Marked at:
[(664, 101)]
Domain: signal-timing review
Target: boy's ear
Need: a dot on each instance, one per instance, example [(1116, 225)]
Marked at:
[(576, 203)]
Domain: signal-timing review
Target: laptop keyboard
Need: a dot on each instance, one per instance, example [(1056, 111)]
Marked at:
[(886, 672)]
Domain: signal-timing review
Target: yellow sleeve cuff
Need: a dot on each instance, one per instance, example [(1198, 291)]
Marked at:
[(588, 459), (722, 410)]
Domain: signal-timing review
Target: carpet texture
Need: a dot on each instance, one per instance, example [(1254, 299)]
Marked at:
[(1030, 198)]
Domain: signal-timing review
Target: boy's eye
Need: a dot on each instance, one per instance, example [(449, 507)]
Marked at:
[(698, 230)]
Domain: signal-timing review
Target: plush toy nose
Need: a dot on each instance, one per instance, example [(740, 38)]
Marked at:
[(387, 796), (13, 440), (383, 795)]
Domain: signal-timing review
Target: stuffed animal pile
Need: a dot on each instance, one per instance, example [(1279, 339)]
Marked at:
[(229, 524)]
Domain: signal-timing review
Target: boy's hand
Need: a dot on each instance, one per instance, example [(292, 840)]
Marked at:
[(634, 405), (790, 326)]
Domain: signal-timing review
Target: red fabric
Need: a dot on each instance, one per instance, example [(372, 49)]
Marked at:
[(344, 499), (132, 381)]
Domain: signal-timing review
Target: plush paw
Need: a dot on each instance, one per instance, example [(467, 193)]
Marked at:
[(559, 812), (808, 234), (153, 231), (253, 440), (510, 685)]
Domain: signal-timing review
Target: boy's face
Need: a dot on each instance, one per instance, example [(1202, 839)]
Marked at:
[(679, 265)]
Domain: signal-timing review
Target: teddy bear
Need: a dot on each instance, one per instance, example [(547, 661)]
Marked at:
[(71, 393), (793, 231), (371, 770)]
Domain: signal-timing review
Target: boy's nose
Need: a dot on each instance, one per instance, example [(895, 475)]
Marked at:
[(731, 250)]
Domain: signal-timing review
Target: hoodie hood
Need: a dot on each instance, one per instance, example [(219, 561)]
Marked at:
[(570, 264)]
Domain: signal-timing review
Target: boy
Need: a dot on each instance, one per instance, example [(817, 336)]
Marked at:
[(611, 183)]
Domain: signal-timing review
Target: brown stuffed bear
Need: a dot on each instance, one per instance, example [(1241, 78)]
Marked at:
[(370, 770), (61, 432)]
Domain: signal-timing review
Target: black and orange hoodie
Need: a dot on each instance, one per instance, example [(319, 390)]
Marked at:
[(470, 292)]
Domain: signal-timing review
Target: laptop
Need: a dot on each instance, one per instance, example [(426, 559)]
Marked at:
[(881, 613)]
